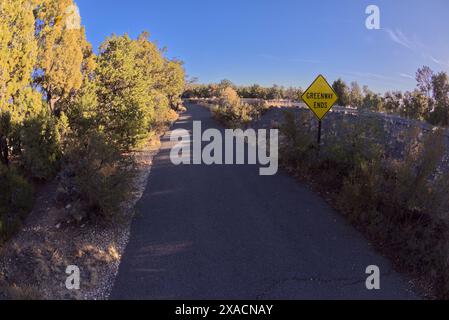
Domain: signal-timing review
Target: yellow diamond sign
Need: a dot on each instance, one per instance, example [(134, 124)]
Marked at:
[(320, 97)]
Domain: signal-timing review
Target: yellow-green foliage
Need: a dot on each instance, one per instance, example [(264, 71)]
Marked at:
[(48, 70), (174, 81), (123, 94), (135, 86), (62, 43), (18, 49), (18, 53), (164, 78), (231, 111)]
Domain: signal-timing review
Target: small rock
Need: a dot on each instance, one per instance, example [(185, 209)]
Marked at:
[(78, 217), (58, 226)]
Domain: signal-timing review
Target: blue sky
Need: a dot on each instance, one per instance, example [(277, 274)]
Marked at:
[(287, 42)]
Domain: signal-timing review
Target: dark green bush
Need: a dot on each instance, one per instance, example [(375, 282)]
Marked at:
[(41, 150), (351, 145), (100, 173), (299, 147), (96, 175), (16, 201)]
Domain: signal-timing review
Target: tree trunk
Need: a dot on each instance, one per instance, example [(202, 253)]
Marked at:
[(52, 100), (4, 152)]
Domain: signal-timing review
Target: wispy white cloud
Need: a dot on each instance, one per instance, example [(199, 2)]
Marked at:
[(407, 76), (440, 62), (415, 45), (399, 37)]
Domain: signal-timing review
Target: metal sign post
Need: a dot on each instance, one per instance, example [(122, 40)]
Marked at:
[(319, 132), (320, 97)]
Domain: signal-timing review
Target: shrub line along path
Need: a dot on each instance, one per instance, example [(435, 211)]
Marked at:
[(224, 232)]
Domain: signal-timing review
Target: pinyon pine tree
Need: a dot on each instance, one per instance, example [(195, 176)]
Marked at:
[(62, 43)]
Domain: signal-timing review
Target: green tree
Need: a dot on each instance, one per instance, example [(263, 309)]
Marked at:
[(371, 102), (342, 91), (415, 105), (392, 102), (18, 49), (440, 86), (18, 53), (41, 145), (259, 92), (424, 77), (62, 43), (275, 93), (125, 99), (293, 94), (355, 95), (225, 83), (174, 81)]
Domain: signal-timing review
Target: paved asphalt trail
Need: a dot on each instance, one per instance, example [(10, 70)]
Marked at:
[(224, 232)]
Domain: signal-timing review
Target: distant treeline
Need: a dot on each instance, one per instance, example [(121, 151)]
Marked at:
[(428, 102), (246, 92)]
